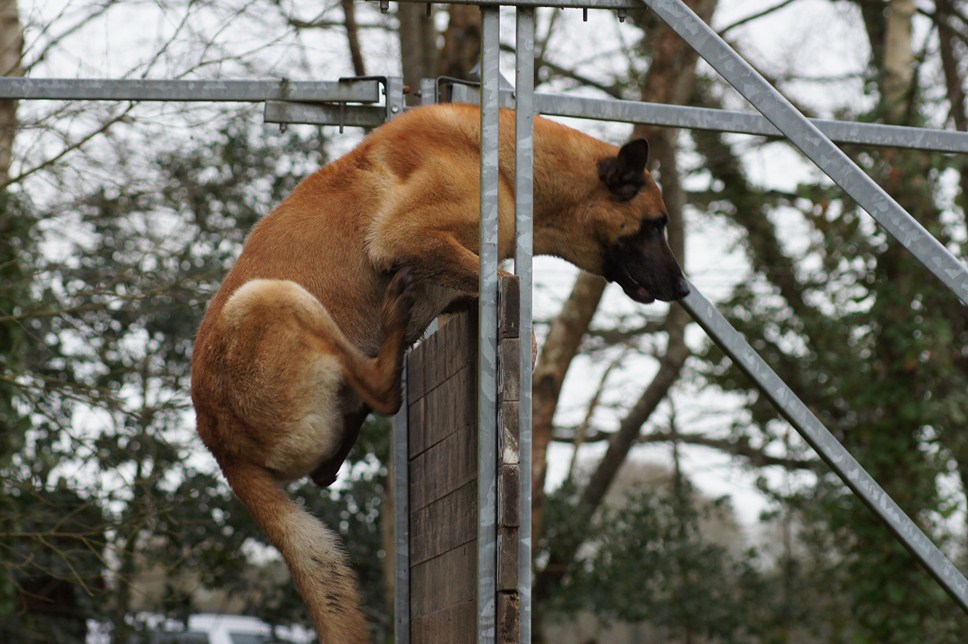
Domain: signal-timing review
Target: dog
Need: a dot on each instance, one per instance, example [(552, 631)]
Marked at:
[(307, 332)]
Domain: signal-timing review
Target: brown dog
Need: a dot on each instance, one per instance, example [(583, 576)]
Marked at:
[(307, 333)]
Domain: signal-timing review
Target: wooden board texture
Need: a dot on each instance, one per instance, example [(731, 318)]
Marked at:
[(442, 419)]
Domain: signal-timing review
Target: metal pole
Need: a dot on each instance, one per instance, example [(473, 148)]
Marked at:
[(561, 4), (702, 118), (401, 519), (805, 135), (401, 459), (358, 91), (487, 329), (523, 255), (828, 447)]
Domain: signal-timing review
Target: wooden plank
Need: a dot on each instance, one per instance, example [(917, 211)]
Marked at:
[(415, 372), (444, 525), (417, 426), (452, 625), (508, 421), (443, 468), (453, 347), (508, 373), (447, 408), (508, 618), (507, 558), (508, 495), (443, 486), (444, 581), (509, 307)]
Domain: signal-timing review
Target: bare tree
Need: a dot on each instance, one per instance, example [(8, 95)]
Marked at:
[(11, 48), (669, 79)]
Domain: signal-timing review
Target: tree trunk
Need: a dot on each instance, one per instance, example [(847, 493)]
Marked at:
[(353, 37), (889, 445), (956, 442), (418, 44), (559, 349), (11, 48), (898, 72), (462, 42), (670, 80)]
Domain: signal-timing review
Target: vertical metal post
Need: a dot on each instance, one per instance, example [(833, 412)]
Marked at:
[(428, 91), (487, 328), (400, 459), (428, 96), (394, 96), (401, 520), (817, 147), (523, 255)]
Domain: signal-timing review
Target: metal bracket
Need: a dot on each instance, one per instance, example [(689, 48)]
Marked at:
[(342, 113)]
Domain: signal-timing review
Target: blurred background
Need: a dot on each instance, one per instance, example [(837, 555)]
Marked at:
[(672, 504)]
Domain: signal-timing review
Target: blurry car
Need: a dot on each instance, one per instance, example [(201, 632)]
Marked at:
[(208, 628)]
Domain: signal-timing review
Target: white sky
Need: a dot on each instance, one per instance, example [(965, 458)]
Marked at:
[(790, 41)]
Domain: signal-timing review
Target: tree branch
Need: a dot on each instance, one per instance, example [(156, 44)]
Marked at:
[(353, 37), (755, 16), (756, 457)]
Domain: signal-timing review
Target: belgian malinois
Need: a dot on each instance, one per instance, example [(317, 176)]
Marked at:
[(306, 335)]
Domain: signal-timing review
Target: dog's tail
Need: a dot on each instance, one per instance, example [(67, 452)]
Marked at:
[(312, 552)]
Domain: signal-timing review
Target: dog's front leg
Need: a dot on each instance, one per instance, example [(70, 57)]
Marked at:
[(433, 229), (443, 261)]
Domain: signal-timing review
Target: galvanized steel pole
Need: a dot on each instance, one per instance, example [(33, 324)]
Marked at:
[(701, 118), (487, 329), (523, 256), (88, 89)]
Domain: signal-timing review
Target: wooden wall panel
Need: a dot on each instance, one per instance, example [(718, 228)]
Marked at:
[(442, 420)]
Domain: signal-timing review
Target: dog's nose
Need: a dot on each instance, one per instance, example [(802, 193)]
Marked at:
[(681, 288)]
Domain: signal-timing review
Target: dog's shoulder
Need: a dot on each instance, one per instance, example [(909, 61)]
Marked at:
[(431, 123)]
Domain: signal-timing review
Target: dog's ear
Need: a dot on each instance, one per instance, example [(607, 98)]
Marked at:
[(623, 174)]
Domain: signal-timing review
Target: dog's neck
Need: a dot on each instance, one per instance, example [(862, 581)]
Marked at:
[(565, 174)]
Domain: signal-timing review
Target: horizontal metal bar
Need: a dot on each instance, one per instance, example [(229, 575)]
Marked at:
[(559, 4), (818, 148), (700, 118), (827, 446), (468, 93), (348, 115), (89, 89)]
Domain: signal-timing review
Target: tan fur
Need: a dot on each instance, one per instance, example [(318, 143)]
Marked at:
[(306, 334)]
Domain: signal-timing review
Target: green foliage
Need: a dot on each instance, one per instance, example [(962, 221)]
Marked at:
[(876, 347), (650, 561), (96, 379), (52, 554), (16, 261)]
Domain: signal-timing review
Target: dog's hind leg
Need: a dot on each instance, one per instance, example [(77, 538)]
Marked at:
[(377, 380), (374, 378), (325, 473)]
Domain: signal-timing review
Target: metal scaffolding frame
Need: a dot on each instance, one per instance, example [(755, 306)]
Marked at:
[(777, 118), (344, 102), (349, 102)]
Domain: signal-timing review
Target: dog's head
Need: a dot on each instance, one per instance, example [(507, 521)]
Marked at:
[(630, 217)]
